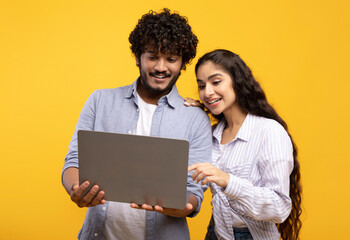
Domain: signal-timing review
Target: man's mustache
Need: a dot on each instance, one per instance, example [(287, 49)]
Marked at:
[(154, 74)]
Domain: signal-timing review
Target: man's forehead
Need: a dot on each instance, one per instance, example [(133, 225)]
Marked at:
[(159, 50)]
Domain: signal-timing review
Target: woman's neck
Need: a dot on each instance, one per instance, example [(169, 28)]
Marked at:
[(234, 117), (234, 120)]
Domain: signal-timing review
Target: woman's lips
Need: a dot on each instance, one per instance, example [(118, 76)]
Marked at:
[(213, 102)]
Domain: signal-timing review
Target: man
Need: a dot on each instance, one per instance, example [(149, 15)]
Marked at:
[(163, 43)]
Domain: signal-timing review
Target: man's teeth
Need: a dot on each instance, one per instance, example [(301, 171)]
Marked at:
[(160, 76), (214, 101)]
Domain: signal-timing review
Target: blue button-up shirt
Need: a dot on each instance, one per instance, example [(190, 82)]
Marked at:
[(116, 110)]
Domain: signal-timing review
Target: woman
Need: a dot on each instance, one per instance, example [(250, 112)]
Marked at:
[(254, 175)]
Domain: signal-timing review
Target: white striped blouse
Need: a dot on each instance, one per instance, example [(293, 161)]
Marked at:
[(259, 160)]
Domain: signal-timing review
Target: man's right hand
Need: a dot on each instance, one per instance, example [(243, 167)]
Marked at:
[(88, 200), (70, 181)]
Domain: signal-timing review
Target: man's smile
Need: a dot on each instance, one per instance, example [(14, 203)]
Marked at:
[(159, 75)]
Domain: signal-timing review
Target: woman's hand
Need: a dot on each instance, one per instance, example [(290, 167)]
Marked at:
[(191, 102), (208, 173)]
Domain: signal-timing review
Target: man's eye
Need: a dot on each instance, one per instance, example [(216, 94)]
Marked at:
[(152, 58), (172, 60)]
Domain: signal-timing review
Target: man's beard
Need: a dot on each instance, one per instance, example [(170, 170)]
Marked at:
[(158, 91)]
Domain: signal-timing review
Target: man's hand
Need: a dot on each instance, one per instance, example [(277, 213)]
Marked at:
[(190, 207), (92, 198), (70, 182), (167, 211)]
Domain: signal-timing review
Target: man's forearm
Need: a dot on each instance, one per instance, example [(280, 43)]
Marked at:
[(193, 201), (70, 178)]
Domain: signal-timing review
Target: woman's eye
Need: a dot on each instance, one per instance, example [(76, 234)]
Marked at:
[(201, 86)]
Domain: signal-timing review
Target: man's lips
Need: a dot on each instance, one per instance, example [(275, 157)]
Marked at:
[(159, 75)]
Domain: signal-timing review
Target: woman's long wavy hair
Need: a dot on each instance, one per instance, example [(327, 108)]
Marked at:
[(252, 99)]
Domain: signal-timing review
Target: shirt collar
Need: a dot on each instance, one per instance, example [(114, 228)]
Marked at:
[(246, 129), (244, 132), (170, 98), (132, 91)]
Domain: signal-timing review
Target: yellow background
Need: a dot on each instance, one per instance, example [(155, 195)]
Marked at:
[(54, 54)]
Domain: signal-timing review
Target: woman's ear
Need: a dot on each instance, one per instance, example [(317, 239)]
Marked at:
[(137, 62)]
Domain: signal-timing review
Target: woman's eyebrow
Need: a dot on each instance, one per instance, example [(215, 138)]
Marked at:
[(210, 77), (214, 75)]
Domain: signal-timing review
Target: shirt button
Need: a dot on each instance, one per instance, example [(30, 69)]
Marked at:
[(129, 132), (96, 234), (104, 208), (137, 110)]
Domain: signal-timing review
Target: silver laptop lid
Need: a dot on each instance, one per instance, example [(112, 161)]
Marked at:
[(133, 168)]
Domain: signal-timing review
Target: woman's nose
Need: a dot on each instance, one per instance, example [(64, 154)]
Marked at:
[(209, 91)]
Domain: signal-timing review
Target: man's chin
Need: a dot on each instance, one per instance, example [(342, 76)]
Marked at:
[(159, 90)]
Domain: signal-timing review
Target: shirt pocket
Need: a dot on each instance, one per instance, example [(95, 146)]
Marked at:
[(239, 170)]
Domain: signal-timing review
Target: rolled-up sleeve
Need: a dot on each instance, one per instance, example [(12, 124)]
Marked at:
[(86, 122), (200, 151)]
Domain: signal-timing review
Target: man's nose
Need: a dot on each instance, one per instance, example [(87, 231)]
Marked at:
[(160, 65)]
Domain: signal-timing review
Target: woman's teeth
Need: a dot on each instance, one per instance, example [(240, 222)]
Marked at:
[(214, 101)]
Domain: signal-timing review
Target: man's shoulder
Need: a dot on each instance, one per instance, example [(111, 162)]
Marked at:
[(193, 111), (190, 110), (114, 92), (110, 95), (194, 116)]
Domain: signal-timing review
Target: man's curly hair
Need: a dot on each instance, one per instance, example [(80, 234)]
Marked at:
[(164, 31)]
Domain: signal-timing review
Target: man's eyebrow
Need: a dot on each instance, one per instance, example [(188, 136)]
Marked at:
[(151, 51)]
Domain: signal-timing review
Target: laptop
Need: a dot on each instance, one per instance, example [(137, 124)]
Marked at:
[(133, 168)]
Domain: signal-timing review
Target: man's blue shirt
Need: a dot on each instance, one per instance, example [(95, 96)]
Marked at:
[(116, 110)]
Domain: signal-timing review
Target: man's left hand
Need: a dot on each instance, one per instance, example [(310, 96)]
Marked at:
[(170, 211)]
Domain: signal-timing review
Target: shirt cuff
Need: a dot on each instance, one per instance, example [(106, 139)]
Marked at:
[(234, 187)]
